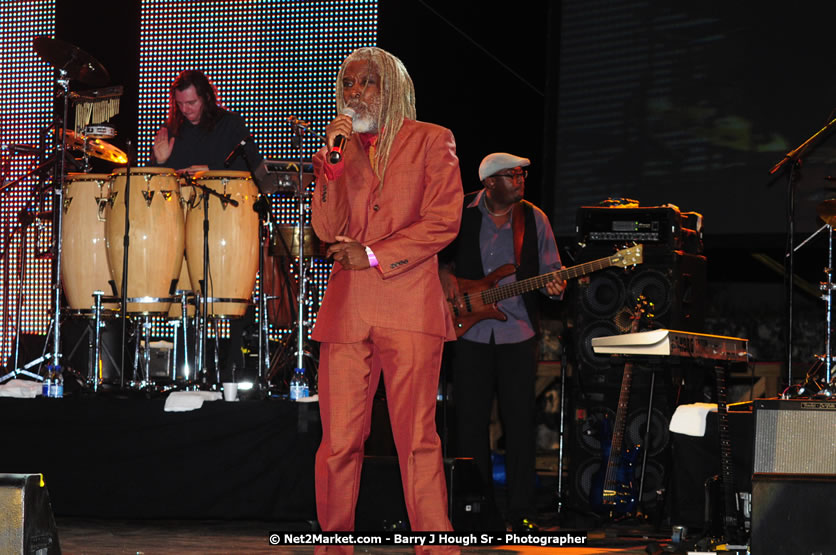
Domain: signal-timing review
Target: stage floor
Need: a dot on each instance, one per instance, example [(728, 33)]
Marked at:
[(124, 476), (78, 535)]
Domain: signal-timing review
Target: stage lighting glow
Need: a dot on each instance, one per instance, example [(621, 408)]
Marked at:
[(26, 99)]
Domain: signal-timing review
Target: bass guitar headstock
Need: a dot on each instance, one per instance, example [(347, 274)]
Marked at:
[(626, 258)]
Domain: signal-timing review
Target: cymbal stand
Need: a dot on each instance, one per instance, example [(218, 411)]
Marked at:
[(126, 245), (827, 287), (59, 167)]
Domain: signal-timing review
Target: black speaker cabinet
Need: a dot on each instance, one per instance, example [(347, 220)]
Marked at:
[(794, 478), (593, 412), (26, 522), (381, 506), (792, 513), (603, 302)]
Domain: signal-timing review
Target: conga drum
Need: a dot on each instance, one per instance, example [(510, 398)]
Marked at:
[(232, 242), (84, 266), (155, 252)]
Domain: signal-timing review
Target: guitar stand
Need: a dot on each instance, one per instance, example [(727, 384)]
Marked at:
[(646, 440)]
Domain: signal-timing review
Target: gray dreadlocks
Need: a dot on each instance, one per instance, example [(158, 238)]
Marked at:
[(397, 99)]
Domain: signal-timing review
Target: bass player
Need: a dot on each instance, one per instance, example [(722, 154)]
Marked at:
[(499, 227)]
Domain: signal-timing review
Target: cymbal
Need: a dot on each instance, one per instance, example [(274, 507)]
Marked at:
[(77, 63), (96, 147), (827, 211)]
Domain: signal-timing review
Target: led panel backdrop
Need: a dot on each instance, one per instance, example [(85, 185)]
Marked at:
[(26, 100), (268, 59)]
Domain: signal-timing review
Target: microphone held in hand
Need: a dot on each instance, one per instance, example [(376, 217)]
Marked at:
[(336, 153)]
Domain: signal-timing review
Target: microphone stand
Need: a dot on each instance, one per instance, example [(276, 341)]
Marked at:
[(263, 341), (792, 160), (126, 244), (298, 129), (203, 314), (296, 142)]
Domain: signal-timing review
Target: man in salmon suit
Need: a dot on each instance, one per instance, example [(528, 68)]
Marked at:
[(389, 205)]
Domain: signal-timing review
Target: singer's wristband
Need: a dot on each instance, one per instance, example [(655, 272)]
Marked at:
[(372, 258)]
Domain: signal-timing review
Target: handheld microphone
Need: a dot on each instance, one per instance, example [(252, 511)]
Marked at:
[(236, 151), (336, 153)]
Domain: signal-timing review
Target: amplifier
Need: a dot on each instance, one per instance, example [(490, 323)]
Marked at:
[(661, 225), (794, 479), (790, 514), (795, 437)]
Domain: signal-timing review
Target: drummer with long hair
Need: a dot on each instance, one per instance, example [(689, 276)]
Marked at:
[(199, 132)]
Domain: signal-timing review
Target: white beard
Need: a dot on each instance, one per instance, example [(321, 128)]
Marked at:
[(365, 118), (364, 124)]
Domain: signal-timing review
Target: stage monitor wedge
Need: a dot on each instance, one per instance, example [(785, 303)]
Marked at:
[(26, 522)]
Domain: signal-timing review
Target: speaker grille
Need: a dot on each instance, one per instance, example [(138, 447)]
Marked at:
[(655, 287), (795, 437), (605, 294)]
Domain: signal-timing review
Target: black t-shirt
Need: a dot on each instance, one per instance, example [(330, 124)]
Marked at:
[(197, 146)]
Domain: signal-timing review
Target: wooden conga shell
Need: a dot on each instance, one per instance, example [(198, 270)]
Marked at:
[(84, 266), (156, 236), (233, 241)]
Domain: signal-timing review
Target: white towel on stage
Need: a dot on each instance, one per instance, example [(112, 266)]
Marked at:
[(181, 401), (690, 419), (23, 389)]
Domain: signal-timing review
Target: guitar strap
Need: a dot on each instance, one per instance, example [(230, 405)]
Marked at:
[(518, 225)]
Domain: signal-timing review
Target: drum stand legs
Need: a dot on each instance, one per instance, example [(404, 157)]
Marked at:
[(94, 346), (181, 324), (203, 323), (176, 325), (145, 339)]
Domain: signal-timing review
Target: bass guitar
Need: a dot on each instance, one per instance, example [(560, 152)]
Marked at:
[(613, 488), (477, 299)]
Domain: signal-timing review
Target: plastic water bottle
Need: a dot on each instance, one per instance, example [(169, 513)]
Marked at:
[(299, 385), (53, 383)]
